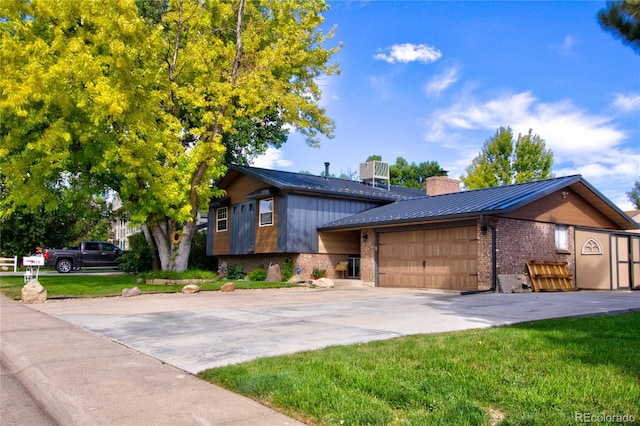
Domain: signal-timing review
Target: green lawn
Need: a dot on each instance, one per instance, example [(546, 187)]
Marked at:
[(538, 373), (94, 285)]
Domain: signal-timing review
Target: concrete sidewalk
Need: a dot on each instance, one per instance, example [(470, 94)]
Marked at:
[(82, 378)]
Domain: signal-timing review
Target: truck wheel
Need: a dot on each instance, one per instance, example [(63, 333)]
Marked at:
[(64, 266)]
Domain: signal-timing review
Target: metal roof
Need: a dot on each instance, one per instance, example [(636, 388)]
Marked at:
[(487, 201), (299, 182)]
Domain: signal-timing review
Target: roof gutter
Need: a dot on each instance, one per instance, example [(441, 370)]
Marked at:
[(494, 258)]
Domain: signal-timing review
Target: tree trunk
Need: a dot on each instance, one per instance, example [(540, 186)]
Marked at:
[(155, 261), (174, 256)]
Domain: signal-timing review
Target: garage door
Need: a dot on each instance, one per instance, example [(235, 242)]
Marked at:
[(434, 258)]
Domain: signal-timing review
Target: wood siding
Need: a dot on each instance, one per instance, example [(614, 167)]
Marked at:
[(433, 258), (347, 242), (266, 237), (242, 186), (570, 209), (221, 240)]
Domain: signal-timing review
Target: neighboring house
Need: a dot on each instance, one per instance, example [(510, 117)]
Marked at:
[(121, 228), (400, 237)]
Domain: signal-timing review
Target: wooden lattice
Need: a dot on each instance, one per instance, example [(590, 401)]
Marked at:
[(550, 276)]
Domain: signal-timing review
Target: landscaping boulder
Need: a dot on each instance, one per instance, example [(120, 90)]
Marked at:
[(190, 289), (228, 287), (33, 292), (517, 283), (274, 275), (324, 283), (297, 279), (129, 292)]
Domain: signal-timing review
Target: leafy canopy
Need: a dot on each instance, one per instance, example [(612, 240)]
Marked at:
[(634, 194), (410, 175), (622, 20), (150, 103), (504, 161)]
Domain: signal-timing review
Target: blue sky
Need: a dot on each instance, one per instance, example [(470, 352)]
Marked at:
[(432, 81)]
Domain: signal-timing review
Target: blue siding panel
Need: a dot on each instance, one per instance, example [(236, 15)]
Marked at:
[(243, 228), (211, 225), (304, 214)]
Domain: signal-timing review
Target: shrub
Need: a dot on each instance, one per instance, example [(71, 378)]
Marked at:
[(287, 269), (198, 258), (258, 274), (235, 272), (319, 273), (138, 257)]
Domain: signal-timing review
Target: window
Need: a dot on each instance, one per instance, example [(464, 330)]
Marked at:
[(562, 237), (108, 247), (221, 219), (92, 246), (266, 212)]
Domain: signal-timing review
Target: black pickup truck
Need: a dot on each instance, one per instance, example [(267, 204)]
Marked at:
[(87, 254)]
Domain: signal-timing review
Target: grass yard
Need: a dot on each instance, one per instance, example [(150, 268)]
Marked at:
[(94, 285), (540, 373)]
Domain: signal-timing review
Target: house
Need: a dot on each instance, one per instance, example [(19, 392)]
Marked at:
[(400, 237)]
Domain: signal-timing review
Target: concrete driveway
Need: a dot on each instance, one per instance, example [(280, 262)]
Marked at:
[(212, 329)]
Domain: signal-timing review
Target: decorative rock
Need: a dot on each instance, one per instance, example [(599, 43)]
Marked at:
[(190, 289), (297, 279), (129, 292), (274, 275), (139, 281), (228, 287), (33, 292), (324, 283)]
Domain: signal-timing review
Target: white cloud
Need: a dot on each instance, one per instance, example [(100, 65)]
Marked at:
[(567, 130), (409, 52), (566, 46), (442, 82), (627, 103), (582, 142), (270, 159)]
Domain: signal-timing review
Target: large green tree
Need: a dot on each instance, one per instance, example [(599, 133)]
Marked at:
[(99, 96), (23, 230), (504, 161), (634, 194), (622, 19), (410, 175)]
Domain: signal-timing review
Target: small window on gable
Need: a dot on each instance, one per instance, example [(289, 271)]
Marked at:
[(221, 219), (562, 237), (266, 212)]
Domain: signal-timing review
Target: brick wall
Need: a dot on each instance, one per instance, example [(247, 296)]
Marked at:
[(484, 256), (307, 262), (521, 240), (367, 256)]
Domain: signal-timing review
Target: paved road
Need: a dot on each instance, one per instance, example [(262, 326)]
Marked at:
[(211, 329)]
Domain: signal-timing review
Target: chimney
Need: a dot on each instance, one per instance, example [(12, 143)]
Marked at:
[(326, 170), (438, 185)]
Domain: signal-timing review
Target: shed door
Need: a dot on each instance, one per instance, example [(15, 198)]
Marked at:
[(434, 258)]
